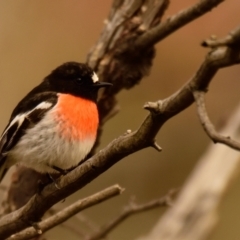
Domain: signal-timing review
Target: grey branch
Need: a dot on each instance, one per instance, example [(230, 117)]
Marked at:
[(208, 126), (68, 212), (130, 209)]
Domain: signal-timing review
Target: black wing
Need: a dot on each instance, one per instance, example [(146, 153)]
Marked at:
[(27, 113)]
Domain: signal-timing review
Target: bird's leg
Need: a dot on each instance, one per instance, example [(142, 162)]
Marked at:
[(36, 226), (60, 170), (50, 177), (45, 181), (41, 185)]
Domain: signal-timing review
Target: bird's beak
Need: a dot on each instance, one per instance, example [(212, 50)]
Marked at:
[(102, 84)]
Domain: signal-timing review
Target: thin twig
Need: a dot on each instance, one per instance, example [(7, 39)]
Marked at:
[(86, 221), (129, 210), (73, 228), (70, 225), (78, 218), (68, 212), (208, 126), (232, 38)]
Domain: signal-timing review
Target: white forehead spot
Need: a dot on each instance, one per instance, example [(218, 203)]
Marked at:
[(94, 77)]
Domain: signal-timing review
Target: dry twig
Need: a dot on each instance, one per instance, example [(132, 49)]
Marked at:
[(68, 212), (129, 210), (73, 228), (232, 38), (72, 225), (208, 126)]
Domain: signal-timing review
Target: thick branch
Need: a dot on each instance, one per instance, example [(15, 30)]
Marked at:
[(68, 212)]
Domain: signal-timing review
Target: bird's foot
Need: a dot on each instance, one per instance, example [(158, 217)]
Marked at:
[(42, 183), (41, 186), (53, 180), (60, 170)]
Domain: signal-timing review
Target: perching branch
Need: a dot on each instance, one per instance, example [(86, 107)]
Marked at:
[(68, 212), (208, 126), (129, 210)]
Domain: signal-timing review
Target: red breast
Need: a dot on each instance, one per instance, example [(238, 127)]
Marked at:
[(77, 117)]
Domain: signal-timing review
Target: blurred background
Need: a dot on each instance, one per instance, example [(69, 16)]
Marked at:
[(37, 36)]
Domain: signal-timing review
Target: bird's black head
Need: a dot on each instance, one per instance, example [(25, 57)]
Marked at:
[(75, 78)]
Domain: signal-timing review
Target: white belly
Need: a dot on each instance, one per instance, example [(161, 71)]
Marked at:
[(42, 146)]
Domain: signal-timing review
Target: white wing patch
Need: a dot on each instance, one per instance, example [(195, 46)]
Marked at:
[(95, 77), (20, 118), (43, 105)]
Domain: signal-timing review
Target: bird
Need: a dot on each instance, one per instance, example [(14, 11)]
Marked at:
[(54, 127)]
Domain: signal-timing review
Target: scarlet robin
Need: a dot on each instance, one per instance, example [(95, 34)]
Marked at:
[(54, 126)]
